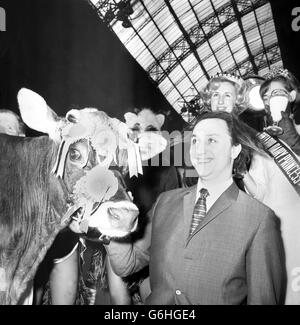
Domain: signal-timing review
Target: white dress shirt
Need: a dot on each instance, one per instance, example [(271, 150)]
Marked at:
[(215, 191)]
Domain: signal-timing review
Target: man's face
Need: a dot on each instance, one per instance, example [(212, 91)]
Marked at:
[(9, 124), (274, 85), (212, 153), (223, 97)]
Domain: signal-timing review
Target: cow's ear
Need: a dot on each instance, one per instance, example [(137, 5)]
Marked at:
[(73, 115), (130, 118), (151, 144), (160, 119), (36, 113)]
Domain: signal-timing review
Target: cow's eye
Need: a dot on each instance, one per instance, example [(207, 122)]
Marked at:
[(151, 128), (135, 129), (75, 155)]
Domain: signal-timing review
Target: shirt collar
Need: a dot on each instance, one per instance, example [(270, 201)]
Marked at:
[(214, 191)]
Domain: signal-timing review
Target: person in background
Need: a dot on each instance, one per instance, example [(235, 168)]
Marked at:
[(158, 177), (11, 123), (211, 243), (283, 89), (144, 189), (277, 178), (56, 281)]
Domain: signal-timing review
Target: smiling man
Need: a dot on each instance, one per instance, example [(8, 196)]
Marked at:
[(211, 243)]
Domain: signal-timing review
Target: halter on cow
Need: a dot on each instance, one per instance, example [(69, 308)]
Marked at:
[(45, 181)]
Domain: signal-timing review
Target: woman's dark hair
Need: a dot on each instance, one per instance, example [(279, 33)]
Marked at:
[(240, 133)]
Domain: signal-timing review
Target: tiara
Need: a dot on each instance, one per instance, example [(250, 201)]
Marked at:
[(277, 72), (230, 77)]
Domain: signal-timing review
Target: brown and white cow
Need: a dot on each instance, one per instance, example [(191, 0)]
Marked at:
[(45, 181)]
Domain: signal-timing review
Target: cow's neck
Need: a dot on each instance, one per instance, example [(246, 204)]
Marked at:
[(32, 247)]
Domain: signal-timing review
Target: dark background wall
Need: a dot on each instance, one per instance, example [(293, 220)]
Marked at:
[(61, 50)]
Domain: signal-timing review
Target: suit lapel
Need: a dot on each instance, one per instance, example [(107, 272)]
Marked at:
[(222, 203)]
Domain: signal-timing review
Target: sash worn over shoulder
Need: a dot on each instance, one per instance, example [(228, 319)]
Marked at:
[(286, 160)]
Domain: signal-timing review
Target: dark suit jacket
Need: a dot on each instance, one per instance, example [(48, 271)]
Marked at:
[(234, 257)]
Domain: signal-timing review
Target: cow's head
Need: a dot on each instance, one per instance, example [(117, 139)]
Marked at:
[(92, 150)]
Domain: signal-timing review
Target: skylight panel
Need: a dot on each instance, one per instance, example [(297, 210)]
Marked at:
[(203, 9), (241, 55), (172, 33), (177, 74), (219, 3), (145, 59), (222, 54), (263, 12), (158, 46), (227, 64), (149, 33), (204, 51), (210, 63), (136, 47), (164, 19), (217, 41), (195, 73), (189, 62), (248, 20), (237, 44)]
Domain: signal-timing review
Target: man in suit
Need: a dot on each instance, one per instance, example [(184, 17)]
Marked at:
[(227, 249)]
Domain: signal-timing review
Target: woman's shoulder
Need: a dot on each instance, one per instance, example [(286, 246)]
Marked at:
[(262, 161)]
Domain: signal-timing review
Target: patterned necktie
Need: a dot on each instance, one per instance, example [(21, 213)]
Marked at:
[(199, 210)]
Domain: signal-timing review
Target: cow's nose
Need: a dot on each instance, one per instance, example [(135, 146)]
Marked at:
[(126, 215)]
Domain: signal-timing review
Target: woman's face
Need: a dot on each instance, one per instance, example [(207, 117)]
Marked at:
[(223, 98)]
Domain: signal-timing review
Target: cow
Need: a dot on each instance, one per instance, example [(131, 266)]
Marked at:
[(68, 177)]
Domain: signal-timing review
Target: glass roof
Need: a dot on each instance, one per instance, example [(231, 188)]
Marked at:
[(182, 43)]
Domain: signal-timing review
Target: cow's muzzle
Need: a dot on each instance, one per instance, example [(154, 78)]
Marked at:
[(115, 219)]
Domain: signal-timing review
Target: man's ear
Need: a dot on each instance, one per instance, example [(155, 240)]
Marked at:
[(160, 119), (235, 151), (293, 95)]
